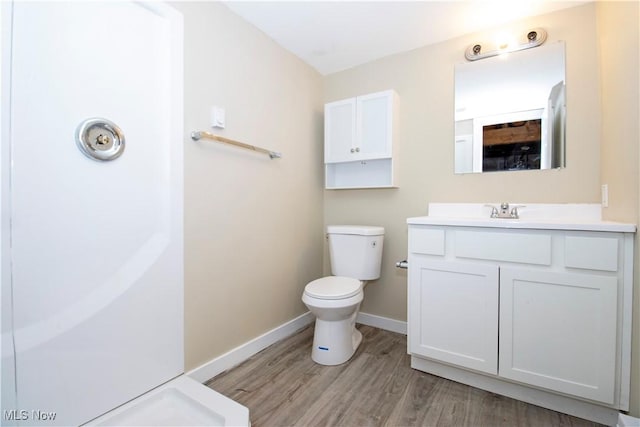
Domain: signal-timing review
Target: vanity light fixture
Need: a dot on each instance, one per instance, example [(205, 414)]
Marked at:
[(533, 38)]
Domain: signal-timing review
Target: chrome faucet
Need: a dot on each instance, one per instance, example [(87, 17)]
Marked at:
[(504, 211)]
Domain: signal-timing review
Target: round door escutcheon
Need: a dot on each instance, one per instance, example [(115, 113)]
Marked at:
[(100, 139)]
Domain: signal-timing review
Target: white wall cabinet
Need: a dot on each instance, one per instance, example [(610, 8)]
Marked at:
[(359, 141), (525, 312)]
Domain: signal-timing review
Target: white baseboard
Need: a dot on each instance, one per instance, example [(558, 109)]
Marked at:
[(239, 354), (382, 323)]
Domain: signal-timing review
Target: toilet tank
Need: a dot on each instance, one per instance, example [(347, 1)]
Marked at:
[(355, 251)]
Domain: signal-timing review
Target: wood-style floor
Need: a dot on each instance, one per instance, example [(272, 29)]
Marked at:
[(282, 386)]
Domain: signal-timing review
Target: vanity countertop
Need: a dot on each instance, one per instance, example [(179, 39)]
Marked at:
[(579, 217)]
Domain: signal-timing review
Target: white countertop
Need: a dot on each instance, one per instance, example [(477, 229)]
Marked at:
[(580, 217), (519, 223)]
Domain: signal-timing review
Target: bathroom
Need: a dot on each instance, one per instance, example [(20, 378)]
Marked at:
[(254, 228)]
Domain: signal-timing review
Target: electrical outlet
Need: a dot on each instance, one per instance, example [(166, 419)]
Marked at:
[(605, 196)]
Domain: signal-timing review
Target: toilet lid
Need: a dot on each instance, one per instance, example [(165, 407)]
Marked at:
[(333, 287)]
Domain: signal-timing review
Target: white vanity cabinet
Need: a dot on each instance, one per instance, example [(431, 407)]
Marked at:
[(542, 315), (359, 137)]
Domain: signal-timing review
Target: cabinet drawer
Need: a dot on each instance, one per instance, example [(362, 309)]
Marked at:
[(426, 241), (591, 253), (524, 248)]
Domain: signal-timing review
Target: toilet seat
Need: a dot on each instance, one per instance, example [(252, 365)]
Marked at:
[(333, 288)]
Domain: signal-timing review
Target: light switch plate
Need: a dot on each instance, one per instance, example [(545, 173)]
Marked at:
[(217, 117)]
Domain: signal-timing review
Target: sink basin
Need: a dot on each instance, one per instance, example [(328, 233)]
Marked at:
[(576, 216)]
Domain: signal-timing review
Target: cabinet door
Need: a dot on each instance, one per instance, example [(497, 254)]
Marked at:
[(339, 130), (374, 126), (453, 313), (558, 331)]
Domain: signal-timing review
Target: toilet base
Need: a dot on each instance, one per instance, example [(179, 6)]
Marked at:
[(334, 342)]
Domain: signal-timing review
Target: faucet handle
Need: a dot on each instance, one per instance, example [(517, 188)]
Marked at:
[(494, 210), (514, 211)]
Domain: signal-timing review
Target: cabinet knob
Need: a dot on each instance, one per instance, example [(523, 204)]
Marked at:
[(357, 149), (353, 151)]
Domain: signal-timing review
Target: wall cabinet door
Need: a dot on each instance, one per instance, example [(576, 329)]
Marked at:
[(359, 128), (339, 130), (558, 331), (453, 313), (374, 114)]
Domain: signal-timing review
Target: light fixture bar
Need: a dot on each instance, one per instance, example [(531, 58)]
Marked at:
[(534, 37)]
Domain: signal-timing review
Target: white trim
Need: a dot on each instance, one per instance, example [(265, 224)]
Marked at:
[(382, 323), (556, 402), (243, 352)]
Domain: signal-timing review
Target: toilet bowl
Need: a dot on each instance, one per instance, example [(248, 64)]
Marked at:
[(335, 302), (356, 253)]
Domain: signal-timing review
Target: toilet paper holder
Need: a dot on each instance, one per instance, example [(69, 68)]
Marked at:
[(402, 264)]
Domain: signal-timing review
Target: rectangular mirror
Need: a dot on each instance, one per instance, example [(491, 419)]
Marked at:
[(510, 111)]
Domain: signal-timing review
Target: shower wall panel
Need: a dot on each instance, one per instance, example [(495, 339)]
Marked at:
[(96, 253)]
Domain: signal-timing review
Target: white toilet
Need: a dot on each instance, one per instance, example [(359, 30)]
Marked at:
[(356, 254)]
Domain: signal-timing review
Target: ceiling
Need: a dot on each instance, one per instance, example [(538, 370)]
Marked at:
[(335, 35)]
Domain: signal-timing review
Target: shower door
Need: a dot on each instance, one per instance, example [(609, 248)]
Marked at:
[(95, 125)]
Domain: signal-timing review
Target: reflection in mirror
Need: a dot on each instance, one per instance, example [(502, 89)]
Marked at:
[(510, 111)]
